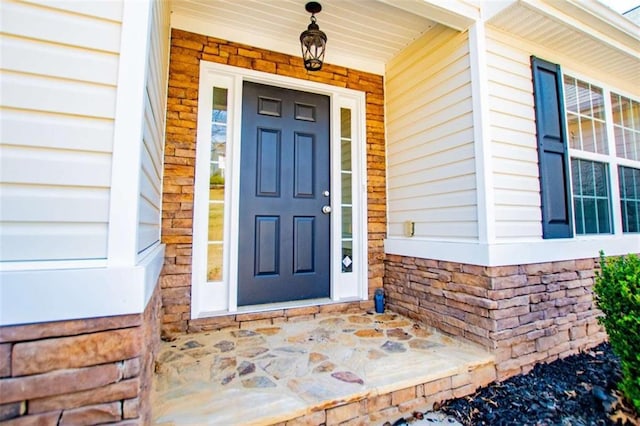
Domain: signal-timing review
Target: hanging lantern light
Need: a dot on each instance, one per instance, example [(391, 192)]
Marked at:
[(313, 41)]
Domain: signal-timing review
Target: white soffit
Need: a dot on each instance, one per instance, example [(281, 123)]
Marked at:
[(362, 34), (586, 32)]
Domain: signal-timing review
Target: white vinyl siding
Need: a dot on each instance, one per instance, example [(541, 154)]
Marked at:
[(59, 74), (431, 167), (513, 141), (155, 95)]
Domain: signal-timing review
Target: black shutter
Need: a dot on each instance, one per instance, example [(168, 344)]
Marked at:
[(553, 157)]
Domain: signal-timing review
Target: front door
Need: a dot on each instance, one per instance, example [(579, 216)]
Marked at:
[(284, 234)]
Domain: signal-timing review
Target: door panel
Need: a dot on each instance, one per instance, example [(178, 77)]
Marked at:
[(268, 167), (267, 247), (284, 238), (303, 244)]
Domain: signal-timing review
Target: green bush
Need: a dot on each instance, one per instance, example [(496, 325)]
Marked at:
[(216, 179), (618, 296)]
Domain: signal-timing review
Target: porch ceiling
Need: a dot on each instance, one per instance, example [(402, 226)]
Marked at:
[(584, 33), (362, 34)]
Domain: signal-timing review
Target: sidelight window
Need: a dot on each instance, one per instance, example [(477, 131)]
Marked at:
[(215, 240), (346, 174)]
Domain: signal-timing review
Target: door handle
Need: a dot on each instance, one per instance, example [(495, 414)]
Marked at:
[(326, 209)]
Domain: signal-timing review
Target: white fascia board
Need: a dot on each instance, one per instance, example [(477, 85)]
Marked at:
[(598, 12), (36, 296), (514, 253), (492, 8), (456, 14), (591, 22), (230, 33)]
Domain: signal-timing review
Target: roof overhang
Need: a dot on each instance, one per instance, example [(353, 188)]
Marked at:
[(366, 34), (362, 34), (458, 15), (579, 32)]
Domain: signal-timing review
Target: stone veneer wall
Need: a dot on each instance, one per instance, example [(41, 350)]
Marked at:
[(274, 317), (79, 372), (524, 314), (187, 49), (376, 409)]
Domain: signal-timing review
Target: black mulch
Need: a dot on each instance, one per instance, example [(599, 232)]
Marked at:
[(576, 391)]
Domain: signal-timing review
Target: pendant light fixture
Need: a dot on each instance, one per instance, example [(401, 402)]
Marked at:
[(313, 41)]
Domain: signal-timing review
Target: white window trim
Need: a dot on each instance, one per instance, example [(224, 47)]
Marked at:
[(220, 298)]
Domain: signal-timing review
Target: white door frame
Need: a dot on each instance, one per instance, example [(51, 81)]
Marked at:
[(220, 298)]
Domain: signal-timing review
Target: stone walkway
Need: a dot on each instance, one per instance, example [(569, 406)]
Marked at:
[(273, 374)]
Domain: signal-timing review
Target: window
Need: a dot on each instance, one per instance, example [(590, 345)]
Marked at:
[(346, 202), (586, 131), (215, 240), (591, 134), (590, 197), (584, 105), (626, 130), (630, 198), (626, 126)]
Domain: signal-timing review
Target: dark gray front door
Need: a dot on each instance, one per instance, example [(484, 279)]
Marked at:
[(284, 172)]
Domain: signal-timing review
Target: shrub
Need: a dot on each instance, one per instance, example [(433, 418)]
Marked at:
[(618, 296), (216, 179)]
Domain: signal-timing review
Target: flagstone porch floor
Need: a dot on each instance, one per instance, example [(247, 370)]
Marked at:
[(270, 375)]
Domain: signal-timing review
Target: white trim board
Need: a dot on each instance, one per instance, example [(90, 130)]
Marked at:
[(34, 296), (516, 252), (127, 138), (217, 298)]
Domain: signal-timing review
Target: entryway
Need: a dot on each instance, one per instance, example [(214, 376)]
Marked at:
[(280, 200), (324, 370)]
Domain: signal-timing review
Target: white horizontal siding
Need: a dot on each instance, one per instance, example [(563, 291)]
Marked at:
[(52, 241), (109, 10), (442, 214), (43, 166), (70, 63), (58, 26), (450, 199), (446, 230), (42, 93), (52, 130), (440, 137), (513, 144), (442, 186), (431, 166), (443, 167), (58, 74), (150, 205), (35, 203)]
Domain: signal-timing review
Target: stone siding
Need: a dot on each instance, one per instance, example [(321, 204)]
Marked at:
[(77, 372), (274, 317), (187, 49), (389, 406), (524, 314)]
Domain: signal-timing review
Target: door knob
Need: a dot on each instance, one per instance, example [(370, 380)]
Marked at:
[(326, 209)]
